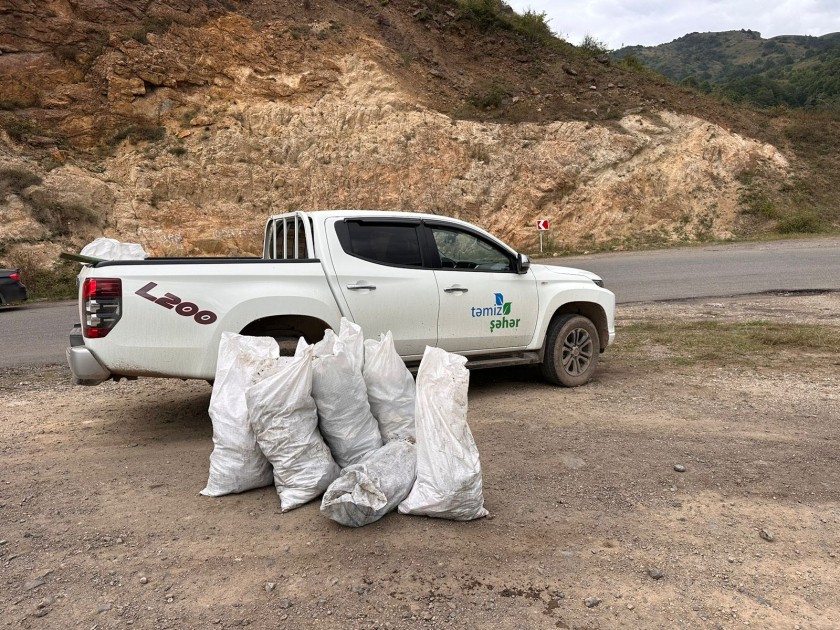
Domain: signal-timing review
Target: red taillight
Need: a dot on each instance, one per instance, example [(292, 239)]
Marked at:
[(101, 306), (15, 277)]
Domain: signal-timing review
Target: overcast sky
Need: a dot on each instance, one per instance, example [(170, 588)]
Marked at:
[(650, 22)]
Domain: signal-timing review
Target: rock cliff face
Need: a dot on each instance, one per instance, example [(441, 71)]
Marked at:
[(187, 139)]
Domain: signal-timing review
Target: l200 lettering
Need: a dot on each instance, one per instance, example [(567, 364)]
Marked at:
[(172, 301)]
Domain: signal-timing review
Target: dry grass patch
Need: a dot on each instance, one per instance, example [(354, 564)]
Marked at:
[(724, 343)]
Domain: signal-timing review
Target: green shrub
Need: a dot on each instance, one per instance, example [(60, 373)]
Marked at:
[(178, 150), (490, 14), (139, 133), (593, 45), (532, 25), (19, 127), (63, 219), (66, 53), (16, 179), (758, 204), (490, 98), (804, 222), (486, 14), (57, 282)]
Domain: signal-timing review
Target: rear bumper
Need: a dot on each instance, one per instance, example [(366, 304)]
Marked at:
[(86, 368), (13, 293)]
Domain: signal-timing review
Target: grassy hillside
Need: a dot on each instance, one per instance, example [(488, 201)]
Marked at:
[(789, 70)]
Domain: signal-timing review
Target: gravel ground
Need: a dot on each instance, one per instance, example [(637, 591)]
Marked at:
[(703, 495)]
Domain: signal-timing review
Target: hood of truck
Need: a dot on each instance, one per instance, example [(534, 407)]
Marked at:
[(570, 274)]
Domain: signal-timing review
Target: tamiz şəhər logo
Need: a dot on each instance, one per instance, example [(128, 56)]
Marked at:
[(498, 312)]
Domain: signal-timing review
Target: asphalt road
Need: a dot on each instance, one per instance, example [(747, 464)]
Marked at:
[(36, 334), (715, 270)]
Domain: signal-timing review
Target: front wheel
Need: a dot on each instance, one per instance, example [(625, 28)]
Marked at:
[(571, 351)]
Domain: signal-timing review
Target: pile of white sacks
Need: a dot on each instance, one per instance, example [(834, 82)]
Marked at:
[(344, 419)]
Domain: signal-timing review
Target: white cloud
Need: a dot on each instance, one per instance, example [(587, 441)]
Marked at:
[(650, 22)]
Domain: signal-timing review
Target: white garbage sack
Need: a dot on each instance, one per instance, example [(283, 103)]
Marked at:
[(390, 388), (448, 468), (340, 394), (237, 464), (283, 416), (112, 249), (367, 491)]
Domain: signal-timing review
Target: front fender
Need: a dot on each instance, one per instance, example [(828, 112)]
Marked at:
[(555, 294)]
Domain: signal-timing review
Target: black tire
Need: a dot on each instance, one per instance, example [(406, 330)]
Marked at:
[(572, 346), (286, 339), (287, 344)]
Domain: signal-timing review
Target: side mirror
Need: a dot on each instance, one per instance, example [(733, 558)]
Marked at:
[(523, 263)]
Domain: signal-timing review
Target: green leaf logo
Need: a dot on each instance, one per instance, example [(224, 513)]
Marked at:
[(506, 309)]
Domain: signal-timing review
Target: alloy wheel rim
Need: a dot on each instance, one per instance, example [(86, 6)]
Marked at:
[(576, 353)]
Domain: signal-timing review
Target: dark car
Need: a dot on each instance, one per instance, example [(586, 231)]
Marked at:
[(11, 288)]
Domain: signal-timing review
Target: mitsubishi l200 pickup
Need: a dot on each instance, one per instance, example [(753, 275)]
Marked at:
[(430, 280)]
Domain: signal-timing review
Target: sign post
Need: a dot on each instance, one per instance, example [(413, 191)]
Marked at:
[(542, 226)]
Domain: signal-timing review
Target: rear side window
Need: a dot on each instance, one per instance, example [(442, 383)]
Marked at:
[(386, 243)]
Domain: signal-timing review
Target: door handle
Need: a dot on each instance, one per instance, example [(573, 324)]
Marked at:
[(456, 290), (359, 287)]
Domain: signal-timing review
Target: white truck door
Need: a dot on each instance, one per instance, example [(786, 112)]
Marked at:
[(484, 303), (379, 268)]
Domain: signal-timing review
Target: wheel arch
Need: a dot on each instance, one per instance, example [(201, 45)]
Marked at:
[(592, 311), (310, 327)]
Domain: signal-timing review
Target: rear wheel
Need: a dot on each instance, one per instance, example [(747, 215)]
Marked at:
[(571, 351), (287, 344), (286, 339)]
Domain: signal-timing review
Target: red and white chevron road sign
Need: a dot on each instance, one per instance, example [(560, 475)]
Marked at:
[(542, 225)]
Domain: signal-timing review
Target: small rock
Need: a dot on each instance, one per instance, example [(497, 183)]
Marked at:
[(270, 586), (285, 603), (42, 612), (47, 601), (103, 608), (679, 467), (144, 580), (591, 602), (119, 541), (630, 606), (201, 121), (32, 584), (766, 534), (731, 559), (3, 542), (655, 573)]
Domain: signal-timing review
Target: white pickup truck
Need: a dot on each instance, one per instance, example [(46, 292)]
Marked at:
[(430, 280)]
